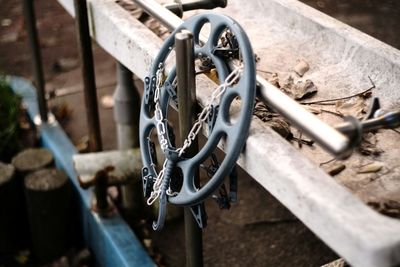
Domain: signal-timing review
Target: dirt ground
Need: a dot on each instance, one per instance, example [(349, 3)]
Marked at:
[(378, 18), (258, 230)]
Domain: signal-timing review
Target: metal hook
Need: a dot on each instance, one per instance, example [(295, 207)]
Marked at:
[(162, 209), (162, 212)]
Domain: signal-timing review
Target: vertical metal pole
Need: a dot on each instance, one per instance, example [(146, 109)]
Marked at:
[(30, 23), (89, 83), (126, 109), (187, 109), (126, 117)]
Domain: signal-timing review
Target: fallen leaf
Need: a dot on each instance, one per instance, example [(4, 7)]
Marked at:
[(312, 109), (337, 263), (263, 112), (213, 75), (83, 144), (62, 112), (371, 167), (304, 90), (299, 90), (280, 126), (368, 145), (147, 243), (353, 107), (366, 95), (389, 208), (301, 68), (274, 80)]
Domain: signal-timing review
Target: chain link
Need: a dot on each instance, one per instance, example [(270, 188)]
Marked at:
[(202, 117), (232, 78), (157, 185)]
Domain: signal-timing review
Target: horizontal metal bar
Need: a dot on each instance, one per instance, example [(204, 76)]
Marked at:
[(328, 137), (166, 17)]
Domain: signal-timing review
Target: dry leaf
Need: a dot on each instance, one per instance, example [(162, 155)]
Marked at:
[(301, 68), (288, 85), (62, 112), (353, 107), (147, 243), (336, 263), (213, 75), (280, 126), (83, 144), (371, 167), (368, 145), (304, 90), (263, 112), (312, 109), (300, 90), (387, 207), (274, 80)]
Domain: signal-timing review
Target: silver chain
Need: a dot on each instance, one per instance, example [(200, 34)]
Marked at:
[(232, 78)]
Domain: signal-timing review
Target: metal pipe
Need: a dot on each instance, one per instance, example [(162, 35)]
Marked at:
[(37, 66), (178, 8), (154, 9), (328, 137), (126, 109), (388, 120), (325, 135), (88, 76), (185, 74), (90, 94), (126, 117), (204, 4)]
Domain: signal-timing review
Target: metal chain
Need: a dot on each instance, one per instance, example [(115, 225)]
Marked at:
[(159, 117), (232, 78), (202, 117)]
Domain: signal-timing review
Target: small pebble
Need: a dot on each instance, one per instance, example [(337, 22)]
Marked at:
[(301, 68), (107, 101)]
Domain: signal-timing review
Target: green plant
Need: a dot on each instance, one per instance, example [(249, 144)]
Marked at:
[(10, 111)]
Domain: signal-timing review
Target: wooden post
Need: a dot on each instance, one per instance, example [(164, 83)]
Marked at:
[(12, 212), (32, 159), (49, 204)]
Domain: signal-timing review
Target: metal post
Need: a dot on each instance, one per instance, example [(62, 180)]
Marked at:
[(126, 117), (185, 72), (89, 83), (30, 23), (126, 109)]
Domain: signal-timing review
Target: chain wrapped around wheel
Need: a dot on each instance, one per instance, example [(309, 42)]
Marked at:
[(239, 82)]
